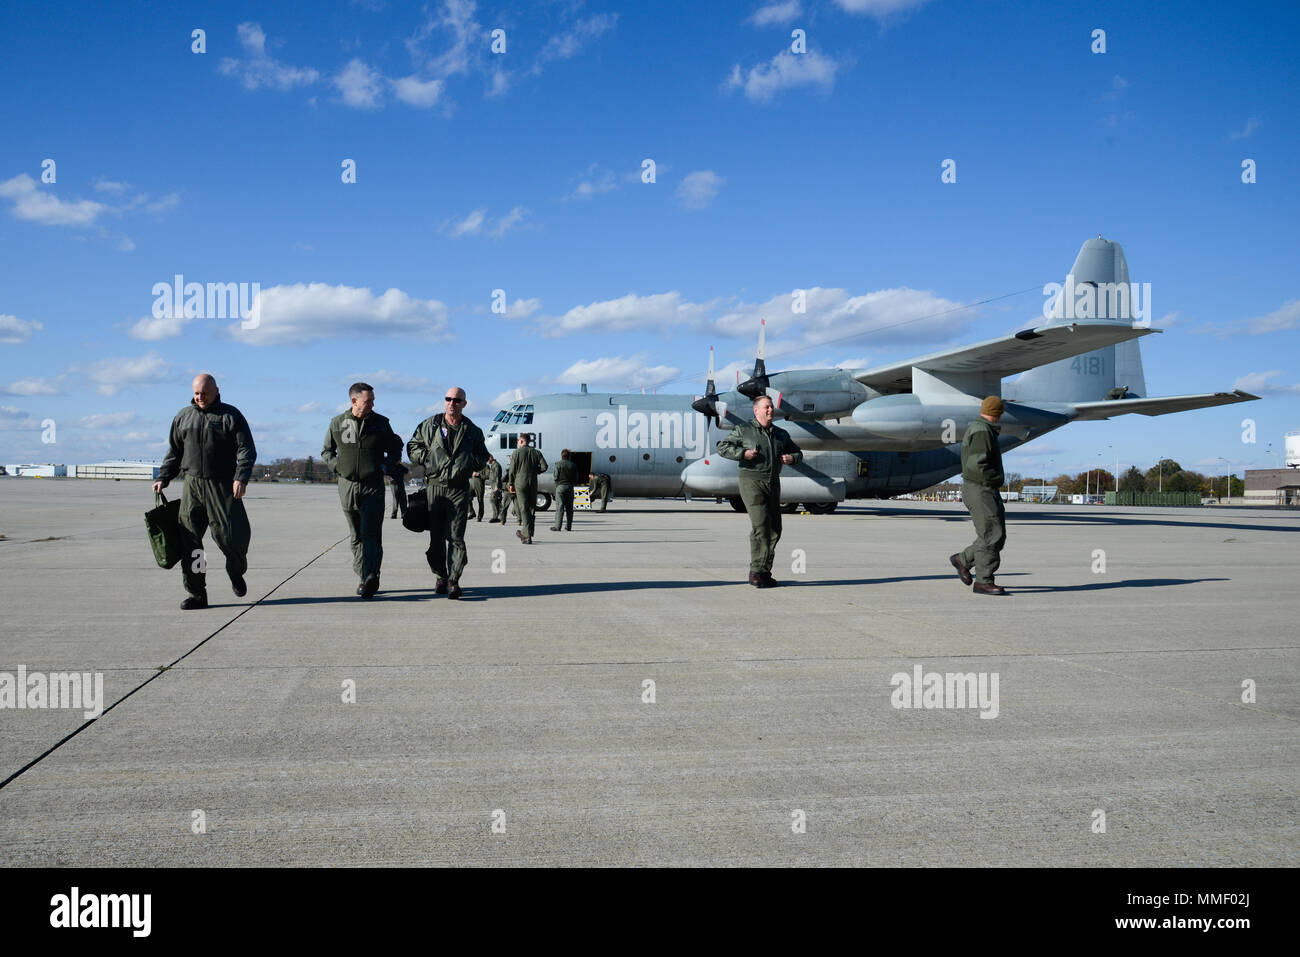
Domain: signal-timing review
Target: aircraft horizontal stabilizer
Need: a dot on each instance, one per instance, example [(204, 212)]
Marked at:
[(1091, 411), (1008, 355)]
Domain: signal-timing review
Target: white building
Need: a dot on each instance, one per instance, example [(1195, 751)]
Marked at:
[(38, 471), (120, 469)]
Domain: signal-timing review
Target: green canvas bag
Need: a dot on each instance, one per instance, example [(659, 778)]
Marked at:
[(164, 525)]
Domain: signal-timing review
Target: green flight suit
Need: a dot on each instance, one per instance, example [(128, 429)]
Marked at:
[(981, 476), (213, 448), (525, 465), (476, 489), (566, 476), (760, 484), (600, 490), (360, 452), (449, 456), (492, 479)]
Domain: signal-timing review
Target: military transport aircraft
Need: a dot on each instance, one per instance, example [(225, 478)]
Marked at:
[(878, 432)]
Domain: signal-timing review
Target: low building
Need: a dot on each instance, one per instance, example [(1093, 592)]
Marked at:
[(1273, 486), (38, 471), (117, 470)]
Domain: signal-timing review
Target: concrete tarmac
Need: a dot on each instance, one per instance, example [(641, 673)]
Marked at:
[(515, 727)]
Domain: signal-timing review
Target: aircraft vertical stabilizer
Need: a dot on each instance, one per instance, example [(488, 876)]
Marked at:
[(1092, 376)]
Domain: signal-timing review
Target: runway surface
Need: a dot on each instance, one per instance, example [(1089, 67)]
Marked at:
[(525, 705)]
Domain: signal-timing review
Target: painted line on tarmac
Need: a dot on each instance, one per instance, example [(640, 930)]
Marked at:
[(162, 670)]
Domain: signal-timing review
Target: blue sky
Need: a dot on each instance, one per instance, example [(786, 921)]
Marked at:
[(522, 171)]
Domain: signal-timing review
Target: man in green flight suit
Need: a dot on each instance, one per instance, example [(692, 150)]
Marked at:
[(492, 485), (566, 476), (360, 446), (451, 449), (600, 490), (981, 477), (525, 465), (761, 449), (211, 444)]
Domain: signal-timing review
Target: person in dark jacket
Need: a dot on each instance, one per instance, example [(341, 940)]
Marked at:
[(761, 448), (211, 445), (601, 489), (981, 477), (566, 476), (452, 451), (361, 447)]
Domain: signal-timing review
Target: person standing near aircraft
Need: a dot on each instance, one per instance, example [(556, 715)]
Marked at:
[(476, 488), (566, 476), (761, 449), (600, 489), (451, 449), (360, 446), (491, 475), (981, 477), (525, 465), (212, 445)]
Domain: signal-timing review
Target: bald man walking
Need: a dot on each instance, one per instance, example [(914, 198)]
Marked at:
[(212, 446)]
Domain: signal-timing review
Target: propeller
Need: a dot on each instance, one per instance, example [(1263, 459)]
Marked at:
[(709, 407), (756, 385)]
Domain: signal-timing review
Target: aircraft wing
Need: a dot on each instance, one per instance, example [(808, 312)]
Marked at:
[(1162, 406), (1009, 355)]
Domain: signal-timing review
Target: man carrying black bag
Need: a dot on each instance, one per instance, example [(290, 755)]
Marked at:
[(211, 445)]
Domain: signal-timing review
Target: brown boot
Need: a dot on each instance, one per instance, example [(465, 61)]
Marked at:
[(765, 580), (988, 588), (962, 571), (441, 587), (755, 579), (453, 588)]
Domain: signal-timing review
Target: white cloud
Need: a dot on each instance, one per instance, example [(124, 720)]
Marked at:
[(628, 312), (500, 83), (456, 17), (109, 186), (888, 315), (149, 329), (413, 91), (1251, 126), (113, 375), (360, 87), (780, 12), (1259, 384), (13, 418), (597, 181), (32, 202), (305, 313), (106, 420), (164, 203), (397, 381), (878, 8), (478, 224), (506, 398), (699, 189), (34, 386), (14, 330), (617, 371), (784, 71), (522, 308), (308, 408), (566, 45), (1287, 316), (259, 69)]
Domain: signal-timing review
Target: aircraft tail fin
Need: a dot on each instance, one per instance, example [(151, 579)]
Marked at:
[(1097, 288)]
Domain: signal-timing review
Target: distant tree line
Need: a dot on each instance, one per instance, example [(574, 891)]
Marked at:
[(1166, 475), (309, 469)]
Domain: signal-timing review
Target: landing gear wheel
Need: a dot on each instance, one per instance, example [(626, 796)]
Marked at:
[(543, 502), (821, 508)]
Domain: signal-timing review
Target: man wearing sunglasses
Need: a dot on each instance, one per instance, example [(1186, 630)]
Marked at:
[(452, 451)]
